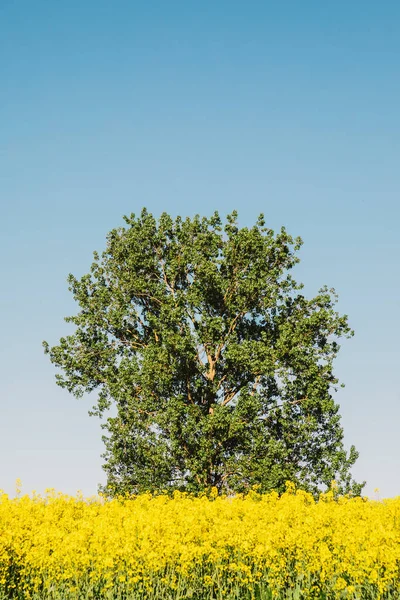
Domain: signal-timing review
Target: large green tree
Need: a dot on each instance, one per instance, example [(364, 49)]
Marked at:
[(219, 368)]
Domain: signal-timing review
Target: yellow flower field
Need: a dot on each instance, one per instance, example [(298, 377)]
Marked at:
[(255, 546)]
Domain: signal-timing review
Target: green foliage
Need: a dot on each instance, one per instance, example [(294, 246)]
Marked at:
[(219, 368)]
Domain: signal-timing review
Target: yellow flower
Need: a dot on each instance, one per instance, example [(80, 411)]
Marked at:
[(58, 543)]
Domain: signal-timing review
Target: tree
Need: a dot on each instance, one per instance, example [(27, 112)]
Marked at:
[(218, 367)]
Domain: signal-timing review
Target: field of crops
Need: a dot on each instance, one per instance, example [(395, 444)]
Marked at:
[(258, 546)]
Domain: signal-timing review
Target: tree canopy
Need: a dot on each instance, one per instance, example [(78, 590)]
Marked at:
[(218, 368)]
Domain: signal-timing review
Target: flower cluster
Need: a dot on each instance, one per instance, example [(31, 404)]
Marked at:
[(255, 546)]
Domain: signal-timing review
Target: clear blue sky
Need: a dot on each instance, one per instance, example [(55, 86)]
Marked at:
[(286, 108)]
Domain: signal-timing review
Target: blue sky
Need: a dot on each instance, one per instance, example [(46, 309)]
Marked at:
[(288, 108)]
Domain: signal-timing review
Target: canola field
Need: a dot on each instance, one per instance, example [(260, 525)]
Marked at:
[(257, 547)]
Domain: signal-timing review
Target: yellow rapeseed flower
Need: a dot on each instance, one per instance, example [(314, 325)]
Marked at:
[(62, 547)]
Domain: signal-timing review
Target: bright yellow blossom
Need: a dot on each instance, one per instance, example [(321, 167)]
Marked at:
[(61, 548)]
